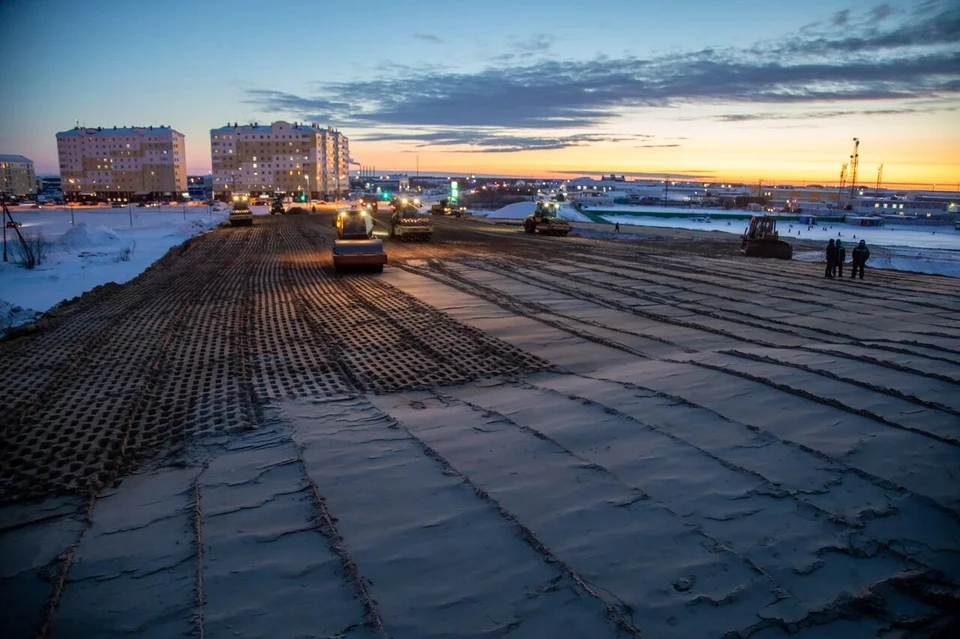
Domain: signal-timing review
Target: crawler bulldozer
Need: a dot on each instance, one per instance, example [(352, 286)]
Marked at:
[(355, 246), (761, 239), (546, 221)]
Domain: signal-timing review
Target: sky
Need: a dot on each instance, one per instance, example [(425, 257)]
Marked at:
[(741, 90)]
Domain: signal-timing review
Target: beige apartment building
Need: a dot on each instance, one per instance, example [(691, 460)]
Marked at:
[(122, 163), (281, 157), (17, 176)]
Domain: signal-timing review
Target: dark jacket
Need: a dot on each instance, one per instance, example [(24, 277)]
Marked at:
[(861, 254), (831, 253), (841, 253)]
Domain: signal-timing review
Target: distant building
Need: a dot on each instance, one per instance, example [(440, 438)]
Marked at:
[(200, 187), (122, 164), (280, 157), (17, 176)]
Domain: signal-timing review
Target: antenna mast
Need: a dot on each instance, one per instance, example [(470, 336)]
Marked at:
[(879, 176)]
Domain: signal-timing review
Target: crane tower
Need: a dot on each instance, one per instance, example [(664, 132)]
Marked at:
[(854, 163)]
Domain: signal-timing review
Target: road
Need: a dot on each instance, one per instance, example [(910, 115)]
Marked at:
[(501, 435)]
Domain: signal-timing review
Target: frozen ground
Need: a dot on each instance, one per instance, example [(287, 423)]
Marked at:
[(90, 247), (501, 436)]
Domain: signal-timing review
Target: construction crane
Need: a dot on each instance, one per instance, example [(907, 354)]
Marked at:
[(843, 180), (879, 176), (854, 164)]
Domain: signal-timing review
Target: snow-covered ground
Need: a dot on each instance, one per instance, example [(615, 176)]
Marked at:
[(933, 250), (89, 247), (520, 210)]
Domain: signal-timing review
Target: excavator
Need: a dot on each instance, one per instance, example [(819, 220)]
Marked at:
[(761, 239), (355, 245), (545, 220), (408, 223)]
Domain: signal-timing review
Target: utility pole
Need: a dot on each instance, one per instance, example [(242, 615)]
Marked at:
[(666, 190), (879, 176)]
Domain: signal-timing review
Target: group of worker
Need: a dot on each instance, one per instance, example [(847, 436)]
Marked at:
[(837, 254)]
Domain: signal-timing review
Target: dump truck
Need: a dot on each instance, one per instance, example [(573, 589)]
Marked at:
[(545, 220), (408, 222), (241, 215), (760, 239), (355, 246)]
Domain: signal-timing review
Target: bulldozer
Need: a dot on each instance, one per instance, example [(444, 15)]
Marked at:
[(355, 246), (544, 219), (241, 215), (445, 207), (761, 239), (277, 205), (408, 223)]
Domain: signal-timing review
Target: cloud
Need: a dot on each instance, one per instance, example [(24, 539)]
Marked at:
[(859, 60), (491, 141), (821, 115), (655, 146), (841, 18), (692, 174), (429, 37)]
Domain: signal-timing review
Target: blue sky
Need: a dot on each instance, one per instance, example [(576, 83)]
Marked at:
[(708, 88)]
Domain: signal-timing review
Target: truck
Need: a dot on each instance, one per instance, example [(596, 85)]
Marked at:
[(545, 220)]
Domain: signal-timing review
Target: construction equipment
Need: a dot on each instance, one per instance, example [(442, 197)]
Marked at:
[(241, 215), (761, 239), (444, 207), (277, 205), (408, 223), (545, 220), (369, 200), (355, 245)]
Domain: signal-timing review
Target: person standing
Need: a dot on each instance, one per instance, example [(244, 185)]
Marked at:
[(841, 256), (616, 227), (860, 256), (831, 258)]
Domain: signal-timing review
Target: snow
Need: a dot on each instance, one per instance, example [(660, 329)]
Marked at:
[(90, 247), (922, 249), (520, 210)]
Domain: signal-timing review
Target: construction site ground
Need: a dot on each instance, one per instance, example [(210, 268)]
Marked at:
[(502, 435)]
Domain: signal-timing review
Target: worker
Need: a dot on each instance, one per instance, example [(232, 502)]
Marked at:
[(860, 256), (841, 256), (831, 258)]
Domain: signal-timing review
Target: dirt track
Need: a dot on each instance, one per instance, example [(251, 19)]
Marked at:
[(831, 408)]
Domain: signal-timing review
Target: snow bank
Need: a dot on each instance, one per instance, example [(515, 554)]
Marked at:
[(520, 210), (12, 315), (515, 211), (82, 236)]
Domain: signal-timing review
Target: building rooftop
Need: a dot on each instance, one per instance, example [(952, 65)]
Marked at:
[(14, 158), (117, 130), (256, 127)]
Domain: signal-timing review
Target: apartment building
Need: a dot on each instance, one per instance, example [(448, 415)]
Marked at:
[(125, 164), (17, 176), (282, 157)]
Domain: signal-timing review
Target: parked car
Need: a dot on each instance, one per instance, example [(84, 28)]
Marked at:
[(117, 205), (12, 225)]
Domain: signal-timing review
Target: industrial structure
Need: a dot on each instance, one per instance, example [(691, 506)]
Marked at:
[(122, 164), (306, 161)]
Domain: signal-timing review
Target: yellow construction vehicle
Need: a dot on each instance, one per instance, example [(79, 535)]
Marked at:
[(545, 220), (355, 245), (241, 215), (408, 222), (761, 239)]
